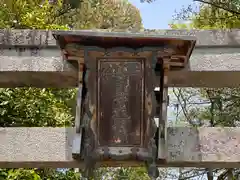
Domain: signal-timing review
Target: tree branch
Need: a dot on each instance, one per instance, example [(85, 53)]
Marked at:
[(223, 175), (211, 109), (220, 7), (211, 18), (60, 12), (182, 107)]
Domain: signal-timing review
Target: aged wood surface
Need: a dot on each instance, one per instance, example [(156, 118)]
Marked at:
[(52, 147), (120, 92), (120, 86)]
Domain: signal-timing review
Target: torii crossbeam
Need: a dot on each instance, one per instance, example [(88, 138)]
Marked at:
[(29, 57)]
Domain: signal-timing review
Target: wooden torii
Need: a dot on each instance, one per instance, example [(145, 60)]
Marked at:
[(122, 80)]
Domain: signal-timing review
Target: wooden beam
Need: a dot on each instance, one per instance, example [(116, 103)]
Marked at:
[(52, 147)]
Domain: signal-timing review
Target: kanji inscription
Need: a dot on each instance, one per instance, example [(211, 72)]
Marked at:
[(120, 88)]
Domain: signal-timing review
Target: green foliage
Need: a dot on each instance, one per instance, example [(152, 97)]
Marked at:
[(136, 173), (22, 174), (106, 14), (30, 14), (35, 107), (211, 17), (174, 25), (37, 174), (131, 174), (73, 3), (94, 14)]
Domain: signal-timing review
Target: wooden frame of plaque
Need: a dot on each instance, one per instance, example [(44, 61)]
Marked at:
[(115, 114)]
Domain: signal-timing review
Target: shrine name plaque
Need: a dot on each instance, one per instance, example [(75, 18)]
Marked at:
[(120, 101)]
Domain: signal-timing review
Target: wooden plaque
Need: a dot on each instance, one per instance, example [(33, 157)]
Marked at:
[(120, 101)]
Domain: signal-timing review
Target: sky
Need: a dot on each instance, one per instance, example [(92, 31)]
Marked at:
[(158, 14)]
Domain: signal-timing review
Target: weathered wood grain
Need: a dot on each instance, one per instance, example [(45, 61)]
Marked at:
[(52, 147)]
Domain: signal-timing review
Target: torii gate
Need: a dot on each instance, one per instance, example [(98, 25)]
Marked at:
[(122, 80)]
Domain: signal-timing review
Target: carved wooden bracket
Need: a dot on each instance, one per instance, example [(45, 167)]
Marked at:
[(116, 102)]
